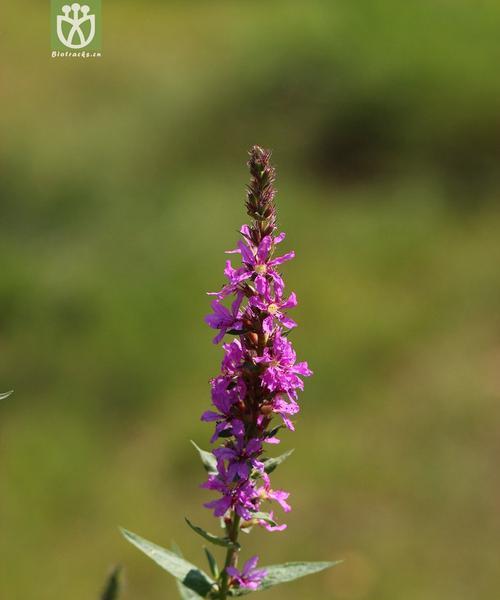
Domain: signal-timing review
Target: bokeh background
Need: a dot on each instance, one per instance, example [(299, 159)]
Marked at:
[(122, 183)]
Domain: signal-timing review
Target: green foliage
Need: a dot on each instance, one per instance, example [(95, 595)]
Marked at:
[(113, 585), (188, 574), (218, 541), (207, 458), (263, 516), (212, 563), (184, 592), (277, 574), (271, 463), (193, 583)]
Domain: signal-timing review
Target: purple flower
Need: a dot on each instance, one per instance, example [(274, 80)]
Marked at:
[(225, 394), (224, 319), (274, 305), (241, 456), (279, 496), (257, 261), (249, 577), (269, 527), (285, 408), (242, 496), (282, 372), (234, 356), (258, 264)]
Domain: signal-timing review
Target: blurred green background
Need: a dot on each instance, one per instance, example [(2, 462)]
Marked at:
[(122, 183)]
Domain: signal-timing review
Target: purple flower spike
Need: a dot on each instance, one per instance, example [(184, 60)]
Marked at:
[(249, 577), (257, 388)]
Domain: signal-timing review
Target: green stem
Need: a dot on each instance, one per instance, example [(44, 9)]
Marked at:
[(231, 555)]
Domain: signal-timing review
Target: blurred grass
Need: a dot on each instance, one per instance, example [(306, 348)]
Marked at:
[(121, 183)]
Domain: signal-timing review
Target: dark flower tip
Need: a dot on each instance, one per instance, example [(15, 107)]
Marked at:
[(261, 191)]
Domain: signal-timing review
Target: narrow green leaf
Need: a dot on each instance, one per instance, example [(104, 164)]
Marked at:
[(113, 586), (212, 563), (277, 574), (218, 541), (184, 592), (271, 463), (192, 577), (262, 516), (5, 395), (237, 331), (274, 431), (207, 458)]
